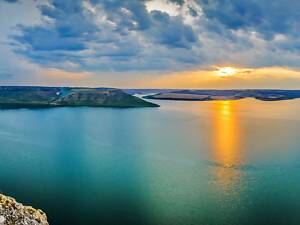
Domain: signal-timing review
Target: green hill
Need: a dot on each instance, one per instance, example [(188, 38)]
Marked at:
[(30, 97)]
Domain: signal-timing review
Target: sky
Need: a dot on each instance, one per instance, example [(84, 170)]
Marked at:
[(218, 44)]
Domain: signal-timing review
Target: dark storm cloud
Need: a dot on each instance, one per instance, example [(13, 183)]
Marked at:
[(130, 15), (263, 16), (170, 31)]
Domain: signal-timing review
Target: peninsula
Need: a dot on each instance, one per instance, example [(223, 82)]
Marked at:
[(209, 95), (41, 97)]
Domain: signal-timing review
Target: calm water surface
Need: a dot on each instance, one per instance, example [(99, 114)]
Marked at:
[(185, 163)]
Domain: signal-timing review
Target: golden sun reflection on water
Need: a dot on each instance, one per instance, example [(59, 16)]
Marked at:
[(226, 148), (226, 134)]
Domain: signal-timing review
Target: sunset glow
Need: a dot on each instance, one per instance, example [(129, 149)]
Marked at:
[(146, 44), (226, 71)]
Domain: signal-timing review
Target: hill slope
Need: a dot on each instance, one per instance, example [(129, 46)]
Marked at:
[(29, 97)]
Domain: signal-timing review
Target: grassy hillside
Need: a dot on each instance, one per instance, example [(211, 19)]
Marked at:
[(21, 96)]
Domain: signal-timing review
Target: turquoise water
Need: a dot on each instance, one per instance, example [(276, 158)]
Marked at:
[(185, 163)]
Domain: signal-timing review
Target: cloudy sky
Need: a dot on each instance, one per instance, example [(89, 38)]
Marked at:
[(151, 43)]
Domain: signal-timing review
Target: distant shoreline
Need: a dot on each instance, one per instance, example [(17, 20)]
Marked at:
[(212, 95)]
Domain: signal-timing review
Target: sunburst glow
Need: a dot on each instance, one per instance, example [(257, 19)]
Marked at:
[(226, 71)]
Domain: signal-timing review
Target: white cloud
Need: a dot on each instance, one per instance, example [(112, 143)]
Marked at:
[(164, 6)]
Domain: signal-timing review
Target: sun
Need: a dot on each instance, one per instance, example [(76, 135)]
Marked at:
[(226, 71)]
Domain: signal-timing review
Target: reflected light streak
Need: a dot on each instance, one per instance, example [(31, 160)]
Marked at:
[(226, 150), (226, 133)]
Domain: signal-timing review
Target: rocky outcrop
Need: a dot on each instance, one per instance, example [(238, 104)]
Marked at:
[(14, 213)]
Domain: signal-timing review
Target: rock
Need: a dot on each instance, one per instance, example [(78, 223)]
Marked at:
[(14, 213), (2, 220)]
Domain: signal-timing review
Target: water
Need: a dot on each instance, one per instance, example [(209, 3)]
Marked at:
[(185, 163)]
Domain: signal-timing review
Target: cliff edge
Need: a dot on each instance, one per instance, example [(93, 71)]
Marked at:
[(14, 213)]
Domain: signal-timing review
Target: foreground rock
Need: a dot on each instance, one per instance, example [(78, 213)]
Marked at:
[(13, 213)]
